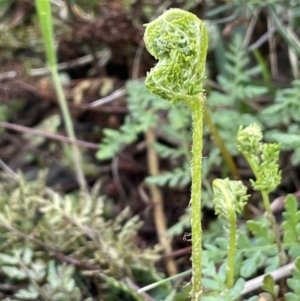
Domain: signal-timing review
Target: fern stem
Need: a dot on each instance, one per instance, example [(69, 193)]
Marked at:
[(230, 217), (266, 201), (231, 248), (196, 170)]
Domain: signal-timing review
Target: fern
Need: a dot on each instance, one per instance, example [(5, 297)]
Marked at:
[(289, 141), (238, 79), (270, 287), (268, 257), (285, 113), (144, 111), (165, 151), (215, 281), (114, 140), (62, 226), (141, 106), (286, 108), (291, 225), (176, 177), (239, 88), (294, 283)]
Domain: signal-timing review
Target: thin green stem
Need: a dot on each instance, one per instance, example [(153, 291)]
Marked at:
[(69, 127), (196, 166), (45, 19), (231, 219), (231, 249), (266, 201), (163, 281)]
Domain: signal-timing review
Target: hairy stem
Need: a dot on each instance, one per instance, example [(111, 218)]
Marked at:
[(266, 201), (231, 249), (231, 220), (196, 166)]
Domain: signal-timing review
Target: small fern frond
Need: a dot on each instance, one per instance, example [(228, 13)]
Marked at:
[(215, 281), (114, 139), (286, 108), (176, 177), (237, 81), (142, 105), (294, 283), (165, 151), (291, 225)]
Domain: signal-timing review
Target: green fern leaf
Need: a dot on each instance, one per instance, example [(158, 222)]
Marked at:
[(286, 108), (165, 151), (270, 287), (177, 177), (261, 231), (294, 283), (291, 225)]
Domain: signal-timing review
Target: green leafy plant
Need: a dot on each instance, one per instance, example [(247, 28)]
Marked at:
[(178, 40), (143, 107), (231, 105), (294, 283), (145, 110), (62, 236), (266, 170), (232, 256), (281, 118), (230, 199)]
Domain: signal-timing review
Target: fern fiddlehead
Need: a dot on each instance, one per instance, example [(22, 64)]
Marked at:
[(229, 198), (263, 160), (179, 40)]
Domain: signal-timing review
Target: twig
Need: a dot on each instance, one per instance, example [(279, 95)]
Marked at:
[(24, 129), (8, 170), (8, 75), (136, 288), (115, 95), (272, 46), (157, 201), (103, 55), (278, 274), (262, 39), (250, 29)]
